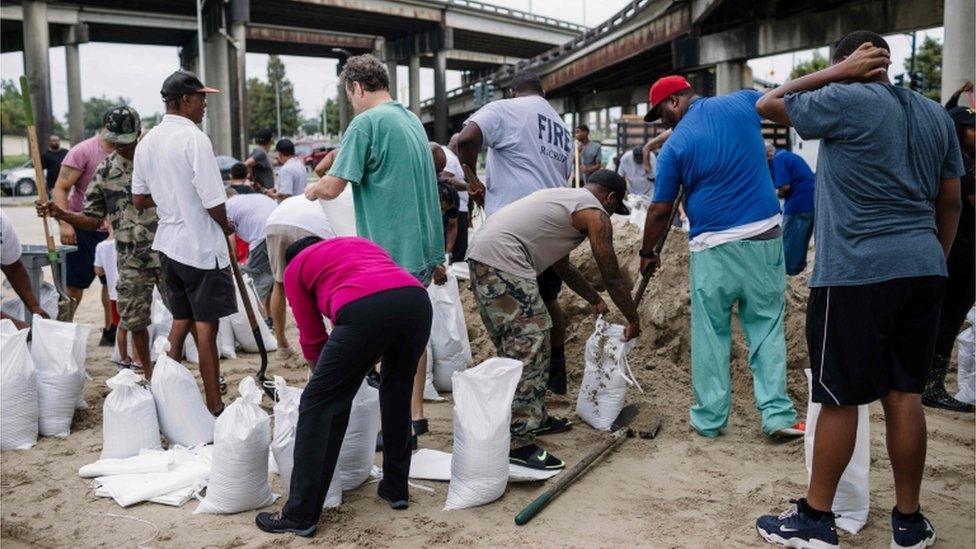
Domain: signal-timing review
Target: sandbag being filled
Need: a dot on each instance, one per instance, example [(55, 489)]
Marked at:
[(605, 376), (358, 450), (129, 422), (285, 422), (448, 333), (183, 416), (482, 414), (239, 474), (60, 377), (18, 390)]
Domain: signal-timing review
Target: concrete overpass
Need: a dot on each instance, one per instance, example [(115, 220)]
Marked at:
[(464, 35), (709, 41)]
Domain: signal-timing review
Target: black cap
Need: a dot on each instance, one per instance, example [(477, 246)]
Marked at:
[(285, 146), (963, 116), (264, 135), (183, 82), (612, 182)]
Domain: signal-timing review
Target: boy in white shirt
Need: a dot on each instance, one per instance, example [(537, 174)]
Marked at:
[(107, 264)]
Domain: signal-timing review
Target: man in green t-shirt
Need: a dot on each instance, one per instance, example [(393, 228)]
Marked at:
[(385, 155)]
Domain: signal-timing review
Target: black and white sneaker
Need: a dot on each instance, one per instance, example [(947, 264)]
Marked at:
[(795, 528), (274, 523), (397, 503), (914, 533)]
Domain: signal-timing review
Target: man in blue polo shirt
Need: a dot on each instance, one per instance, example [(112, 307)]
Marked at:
[(794, 182), (716, 154)]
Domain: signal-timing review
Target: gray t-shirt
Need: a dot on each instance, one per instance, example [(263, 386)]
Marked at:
[(261, 170), (883, 153), (292, 177), (589, 156), (530, 235), (639, 180), (529, 148)]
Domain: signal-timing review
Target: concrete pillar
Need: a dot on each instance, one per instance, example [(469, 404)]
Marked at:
[(74, 35), (440, 96), (217, 69), (414, 79), (344, 108), (391, 67), (628, 109), (37, 65), (728, 77), (238, 79), (958, 54)]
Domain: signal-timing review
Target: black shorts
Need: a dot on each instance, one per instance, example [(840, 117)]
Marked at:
[(549, 284), (81, 263), (865, 341), (203, 295)]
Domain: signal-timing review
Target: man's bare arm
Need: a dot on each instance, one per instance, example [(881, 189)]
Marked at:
[(450, 236), (20, 282), (219, 214), (67, 178), (143, 201), (576, 281), (325, 164), (328, 187), (947, 208), (470, 141), (655, 225), (599, 230)]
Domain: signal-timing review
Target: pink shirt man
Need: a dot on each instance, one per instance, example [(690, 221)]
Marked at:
[(84, 157), (326, 276)]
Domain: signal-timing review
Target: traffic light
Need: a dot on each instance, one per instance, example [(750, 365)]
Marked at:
[(918, 81), (900, 80)]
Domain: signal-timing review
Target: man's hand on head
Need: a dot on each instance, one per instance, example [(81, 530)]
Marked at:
[(865, 64)]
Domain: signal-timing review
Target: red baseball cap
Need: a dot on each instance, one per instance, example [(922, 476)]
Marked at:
[(665, 87)]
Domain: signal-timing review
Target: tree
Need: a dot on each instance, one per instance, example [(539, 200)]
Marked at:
[(11, 108), (818, 62), (261, 100), (95, 109), (928, 64), (332, 116)]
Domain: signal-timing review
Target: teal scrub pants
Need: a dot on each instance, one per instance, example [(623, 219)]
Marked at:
[(752, 274)]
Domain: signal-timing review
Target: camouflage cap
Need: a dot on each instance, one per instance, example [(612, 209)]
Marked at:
[(122, 125)]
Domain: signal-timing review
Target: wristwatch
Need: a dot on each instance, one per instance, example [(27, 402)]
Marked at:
[(647, 255)]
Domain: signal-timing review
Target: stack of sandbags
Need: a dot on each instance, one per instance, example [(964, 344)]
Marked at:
[(183, 417), (18, 390), (55, 350), (14, 307), (129, 422), (162, 323), (170, 477), (448, 333), (605, 376)]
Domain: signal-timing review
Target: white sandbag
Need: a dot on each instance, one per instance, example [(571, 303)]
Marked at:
[(176, 498), (242, 328), (226, 344), (129, 422), (448, 333), (358, 450), (966, 380), (188, 471), (428, 464), (14, 307), (482, 414), (161, 324), (144, 462), (60, 377), (430, 393), (183, 416), (285, 422), (18, 390), (341, 213), (852, 499), (239, 474), (605, 376), (461, 270)]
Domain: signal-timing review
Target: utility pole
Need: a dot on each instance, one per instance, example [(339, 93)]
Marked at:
[(911, 69), (278, 107), (200, 65)]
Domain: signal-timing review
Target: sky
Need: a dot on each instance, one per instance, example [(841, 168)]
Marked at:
[(136, 72)]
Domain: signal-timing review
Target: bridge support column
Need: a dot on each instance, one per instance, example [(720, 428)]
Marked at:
[(344, 108), (37, 65), (728, 77), (440, 96), (958, 55), (238, 101), (414, 78), (217, 71), (628, 109), (391, 67), (74, 35)]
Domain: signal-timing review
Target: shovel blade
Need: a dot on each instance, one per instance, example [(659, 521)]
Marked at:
[(625, 417)]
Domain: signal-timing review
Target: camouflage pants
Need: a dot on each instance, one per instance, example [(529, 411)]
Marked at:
[(135, 289), (518, 323)]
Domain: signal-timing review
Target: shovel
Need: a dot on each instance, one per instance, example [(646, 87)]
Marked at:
[(66, 305), (263, 381), (619, 428), (646, 275)]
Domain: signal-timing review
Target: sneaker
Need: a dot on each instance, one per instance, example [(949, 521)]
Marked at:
[(108, 337), (794, 528), (914, 533), (796, 431), (533, 457), (397, 503), (552, 425), (274, 523)]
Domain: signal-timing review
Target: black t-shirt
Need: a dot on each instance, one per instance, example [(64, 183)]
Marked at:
[(261, 170), (452, 212), (966, 233), (51, 161)]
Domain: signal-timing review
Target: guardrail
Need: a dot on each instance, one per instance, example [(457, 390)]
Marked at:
[(589, 36), (517, 14)]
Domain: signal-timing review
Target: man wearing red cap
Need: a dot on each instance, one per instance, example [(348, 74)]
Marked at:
[(717, 155)]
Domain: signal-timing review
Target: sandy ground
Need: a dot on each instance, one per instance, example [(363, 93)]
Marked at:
[(679, 490)]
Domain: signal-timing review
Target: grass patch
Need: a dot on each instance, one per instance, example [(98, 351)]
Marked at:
[(13, 161)]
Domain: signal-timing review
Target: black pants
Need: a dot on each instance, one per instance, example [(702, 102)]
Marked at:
[(393, 325), (461, 242), (960, 294)]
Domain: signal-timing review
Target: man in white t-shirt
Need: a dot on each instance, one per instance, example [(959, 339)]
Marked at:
[(640, 179), (175, 170), (292, 176), (529, 148), (293, 220), (455, 174), (249, 214), (15, 271), (106, 264)]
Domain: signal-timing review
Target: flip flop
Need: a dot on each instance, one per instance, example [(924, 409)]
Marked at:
[(552, 425), (534, 457)]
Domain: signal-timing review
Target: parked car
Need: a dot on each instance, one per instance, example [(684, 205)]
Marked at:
[(312, 152), (225, 163), (19, 181)]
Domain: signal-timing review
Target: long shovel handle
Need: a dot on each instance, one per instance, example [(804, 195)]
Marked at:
[(540, 503), (35, 153), (646, 275), (251, 318)]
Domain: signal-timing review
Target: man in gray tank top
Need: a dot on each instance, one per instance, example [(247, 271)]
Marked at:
[(506, 255)]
